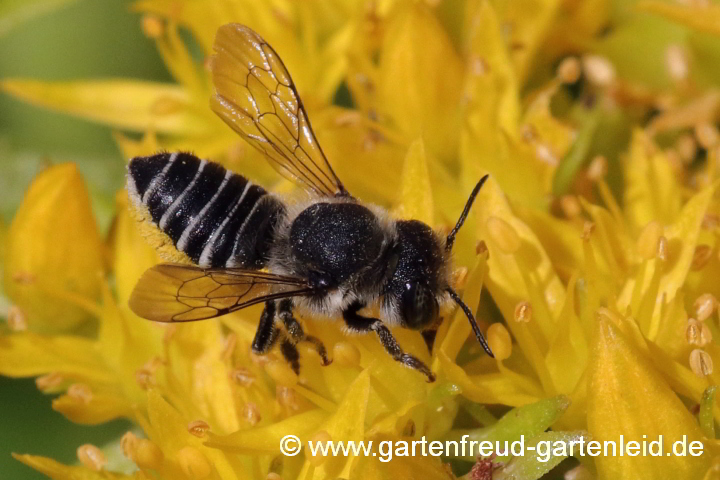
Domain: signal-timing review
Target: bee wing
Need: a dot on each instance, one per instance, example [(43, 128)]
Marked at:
[(256, 97), (183, 293)]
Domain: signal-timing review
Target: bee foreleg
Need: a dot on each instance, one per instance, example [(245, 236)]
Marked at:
[(267, 332), (429, 337), (365, 324), (296, 332)]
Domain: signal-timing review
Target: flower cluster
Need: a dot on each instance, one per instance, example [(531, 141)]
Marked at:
[(589, 257)]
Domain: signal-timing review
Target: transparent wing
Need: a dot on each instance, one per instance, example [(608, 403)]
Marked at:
[(182, 293), (255, 95)]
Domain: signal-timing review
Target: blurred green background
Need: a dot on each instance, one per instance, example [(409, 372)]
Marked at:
[(60, 40)]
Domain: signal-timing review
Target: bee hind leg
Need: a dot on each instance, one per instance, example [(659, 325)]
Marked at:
[(366, 324), (267, 332), (296, 332)]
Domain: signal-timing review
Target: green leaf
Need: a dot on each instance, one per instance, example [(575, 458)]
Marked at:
[(528, 421), (550, 448)]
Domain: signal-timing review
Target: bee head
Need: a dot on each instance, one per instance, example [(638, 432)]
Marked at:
[(420, 279)]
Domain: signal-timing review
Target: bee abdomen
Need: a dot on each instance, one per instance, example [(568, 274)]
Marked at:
[(216, 217)]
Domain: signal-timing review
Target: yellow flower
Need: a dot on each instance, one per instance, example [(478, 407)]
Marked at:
[(596, 238)]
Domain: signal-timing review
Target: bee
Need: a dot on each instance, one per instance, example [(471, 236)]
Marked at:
[(234, 244)]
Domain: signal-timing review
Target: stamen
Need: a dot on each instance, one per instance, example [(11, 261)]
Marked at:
[(701, 256), (503, 235), (80, 393), (705, 306), (281, 372), (16, 319), (647, 242), (569, 70), (700, 363), (346, 354), (92, 457), (198, 428), (251, 413), (49, 382), (321, 437), (523, 312), (499, 339), (242, 376), (146, 454), (193, 463)]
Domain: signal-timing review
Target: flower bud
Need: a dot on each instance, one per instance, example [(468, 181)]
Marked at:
[(53, 251)]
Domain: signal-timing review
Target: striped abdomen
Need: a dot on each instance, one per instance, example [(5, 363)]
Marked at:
[(216, 217)]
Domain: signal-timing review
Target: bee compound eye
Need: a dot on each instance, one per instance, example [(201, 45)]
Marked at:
[(418, 306)]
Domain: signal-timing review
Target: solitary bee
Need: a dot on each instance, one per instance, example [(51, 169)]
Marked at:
[(234, 244)]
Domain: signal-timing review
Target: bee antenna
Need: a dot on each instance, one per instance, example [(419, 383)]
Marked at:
[(466, 309), (451, 236)]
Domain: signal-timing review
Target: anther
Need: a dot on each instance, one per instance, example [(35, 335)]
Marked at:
[(701, 256), (697, 333), (598, 168), (49, 382), (598, 70), (647, 242), (677, 64), (198, 428), (80, 393), (146, 454), (152, 26), (321, 437), (16, 319), (570, 206), (569, 70), (193, 463), (281, 373), (700, 363), (503, 234), (251, 413), (92, 457), (346, 354), (499, 340), (707, 135), (242, 376), (705, 306), (662, 248), (523, 312)]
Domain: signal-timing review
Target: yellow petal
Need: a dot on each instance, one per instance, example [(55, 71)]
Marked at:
[(99, 408), (267, 439), (58, 471), (628, 398), (487, 388), (530, 20), (652, 190), (53, 250), (488, 139), (347, 424), (415, 199), (704, 18), (28, 354), (420, 81), (134, 105)]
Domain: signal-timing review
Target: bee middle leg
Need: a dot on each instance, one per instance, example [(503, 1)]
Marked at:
[(296, 332), (366, 324), (268, 334)]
